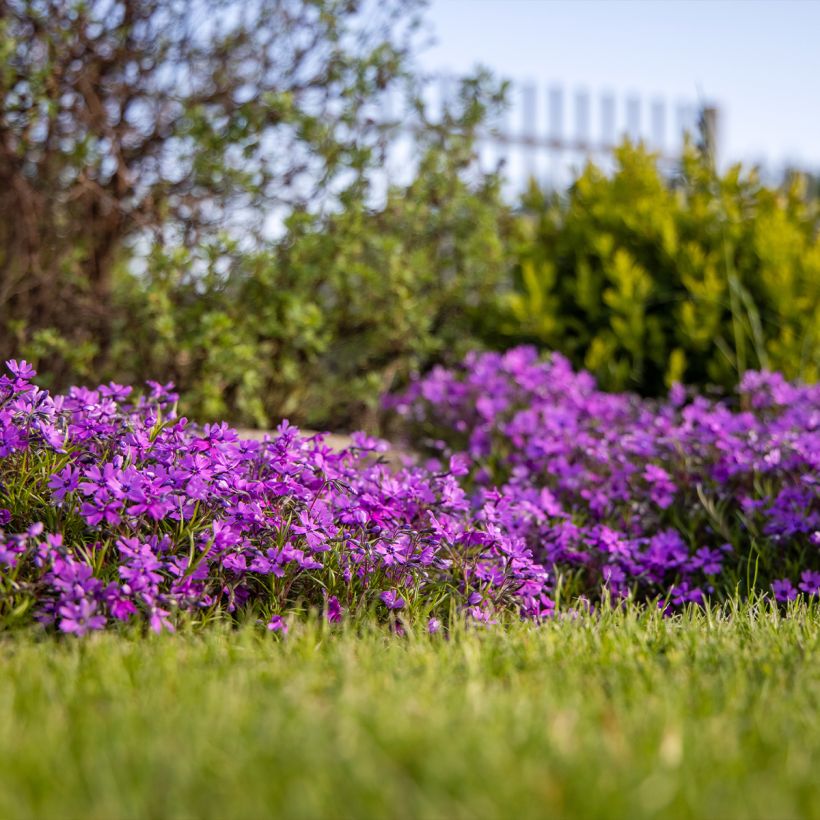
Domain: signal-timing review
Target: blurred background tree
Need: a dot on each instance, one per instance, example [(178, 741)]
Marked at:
[(129, 125)]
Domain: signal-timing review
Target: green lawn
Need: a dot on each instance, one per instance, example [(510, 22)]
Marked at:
[(630, 715)]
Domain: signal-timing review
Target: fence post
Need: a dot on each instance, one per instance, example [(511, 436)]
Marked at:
[(659, 126), (582, 120), (529, 125), (608, 135), (709, 127)]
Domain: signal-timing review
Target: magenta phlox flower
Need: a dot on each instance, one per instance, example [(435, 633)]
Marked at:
[(810, 582), (197, 489), (12, 439), (481, 615), (314, 535), (684, 593), (80, 617), (277, 624), (392, 600), (237, 562), (614, 577), (12, 548), (141, 571), (288, 554), (73, 578), (710, 561), (116, 392), (490, 573), (784, 590), (102, 508), (22, 373), (333, 610), (156, 507), (159, 620), (661, 487), (65, 482), (180, 566), (53, 436), (162, 394), (106, 480)]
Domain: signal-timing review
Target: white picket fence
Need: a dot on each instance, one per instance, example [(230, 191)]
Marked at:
[(548, 132)]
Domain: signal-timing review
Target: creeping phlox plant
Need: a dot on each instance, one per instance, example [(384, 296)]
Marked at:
[(115, 510), (677, 498)]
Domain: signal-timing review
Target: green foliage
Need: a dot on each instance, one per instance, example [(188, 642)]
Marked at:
[(318, 324), (619, 715), (129, 122), (646, 282)]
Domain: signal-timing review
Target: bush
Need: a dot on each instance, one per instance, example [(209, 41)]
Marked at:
[(684, 497), (129, 122), (116, 511), (646, 281), (342, 308)]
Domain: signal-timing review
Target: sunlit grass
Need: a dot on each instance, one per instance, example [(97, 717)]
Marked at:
[(708, 714)]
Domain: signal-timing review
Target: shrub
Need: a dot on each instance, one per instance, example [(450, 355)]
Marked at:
[(343, 307), (683, 496), (116, 511), (647, 281)]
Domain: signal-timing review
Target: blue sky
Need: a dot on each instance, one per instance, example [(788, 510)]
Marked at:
[(760, 61)]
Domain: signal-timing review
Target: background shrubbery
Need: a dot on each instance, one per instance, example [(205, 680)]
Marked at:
[(319, 324), (643, 280), (133, 210), (647, 281)]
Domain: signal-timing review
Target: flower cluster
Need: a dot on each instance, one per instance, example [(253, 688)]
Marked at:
[(675, 498), (115, 510)]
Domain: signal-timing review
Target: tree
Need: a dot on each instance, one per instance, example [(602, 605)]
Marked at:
[(151, 121)]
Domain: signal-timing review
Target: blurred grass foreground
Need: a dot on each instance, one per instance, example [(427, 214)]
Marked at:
[(623, 715)]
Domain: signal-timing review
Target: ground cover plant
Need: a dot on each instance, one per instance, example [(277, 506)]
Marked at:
[(523, 625), (114, 510), (683, 497), (710, 713)]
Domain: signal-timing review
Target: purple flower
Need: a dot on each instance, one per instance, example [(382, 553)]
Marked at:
[(683, 593), (534, 468), (662, 489), (64, 482), (277, 624), (21, 370), (391, 599), (79, 618), (159, 620), (334, 610), (783, 590), (122, 609), (101, 508), (707, 560), (810, 582)]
